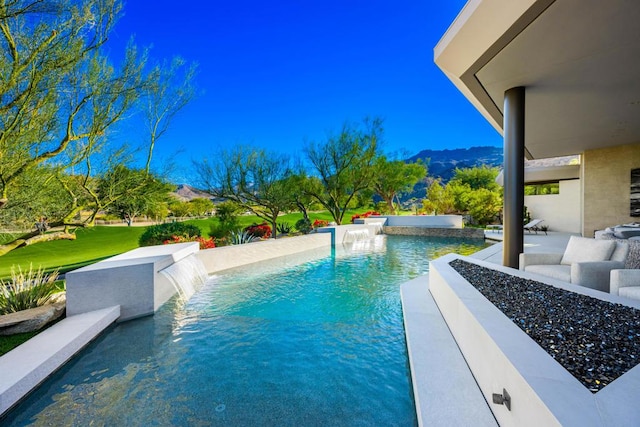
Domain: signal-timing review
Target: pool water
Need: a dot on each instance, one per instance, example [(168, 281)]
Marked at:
[(314, 344)]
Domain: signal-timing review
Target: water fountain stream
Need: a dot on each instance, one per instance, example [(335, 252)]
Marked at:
[(186, 275), (356, 235)]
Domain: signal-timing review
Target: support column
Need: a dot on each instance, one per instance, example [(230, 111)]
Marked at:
[(513, 176)]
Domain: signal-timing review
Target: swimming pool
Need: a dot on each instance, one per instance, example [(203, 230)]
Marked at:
[(320, 343)]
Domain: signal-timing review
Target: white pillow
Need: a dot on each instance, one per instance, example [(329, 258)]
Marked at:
[(583, 249)]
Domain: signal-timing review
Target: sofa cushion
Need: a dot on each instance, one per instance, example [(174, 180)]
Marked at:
[(557, 271), (620, 252), (630, 292), (583, 249)]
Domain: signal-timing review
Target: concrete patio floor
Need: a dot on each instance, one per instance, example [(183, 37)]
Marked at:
[(445, 390)]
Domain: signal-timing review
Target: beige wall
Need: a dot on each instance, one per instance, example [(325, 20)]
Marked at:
[(606, 178), (561, 212)]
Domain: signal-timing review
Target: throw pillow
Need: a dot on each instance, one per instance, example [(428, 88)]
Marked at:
[(583, 249)]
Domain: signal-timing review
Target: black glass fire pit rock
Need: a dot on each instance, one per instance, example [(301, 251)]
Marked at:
[(596, 341)]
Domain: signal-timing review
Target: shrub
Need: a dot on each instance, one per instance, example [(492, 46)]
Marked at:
[(320, 223), (261, 231), (227, 214), (204, 243), (221, 231), (304, 226), (364, 215), (158, 234), (26, 290), (283, 228)]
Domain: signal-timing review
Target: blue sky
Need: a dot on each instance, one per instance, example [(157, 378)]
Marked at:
[(277, 74)]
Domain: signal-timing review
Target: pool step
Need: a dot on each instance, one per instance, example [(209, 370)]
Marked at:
[(26, 366), (445, 391)]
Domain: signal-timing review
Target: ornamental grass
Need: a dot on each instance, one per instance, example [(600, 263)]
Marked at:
[(27, 289)]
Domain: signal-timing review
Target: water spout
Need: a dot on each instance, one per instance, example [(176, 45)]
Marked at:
[(379, 226), (357, 235), (186, 275)]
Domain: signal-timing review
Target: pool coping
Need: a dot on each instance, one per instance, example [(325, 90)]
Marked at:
[(445, 391), (29, 364)]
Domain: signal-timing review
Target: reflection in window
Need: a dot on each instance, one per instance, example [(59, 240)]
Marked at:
[(542, 189)]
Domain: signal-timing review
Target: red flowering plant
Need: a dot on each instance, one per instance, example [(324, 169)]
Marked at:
[(320, 223), (209, 243), (364, 215), (204, 243), (263, 231)]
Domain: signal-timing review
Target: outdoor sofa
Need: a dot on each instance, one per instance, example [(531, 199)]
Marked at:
[(586, 262)]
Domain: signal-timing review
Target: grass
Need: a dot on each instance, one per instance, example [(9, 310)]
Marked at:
[(10, 342), (100, 242), (91, 245)]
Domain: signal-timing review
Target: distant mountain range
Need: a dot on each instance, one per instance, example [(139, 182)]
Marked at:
[(443, 163), (186, 193)]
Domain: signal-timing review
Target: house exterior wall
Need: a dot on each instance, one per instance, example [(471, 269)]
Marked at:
[(607, 177), (561, 212)]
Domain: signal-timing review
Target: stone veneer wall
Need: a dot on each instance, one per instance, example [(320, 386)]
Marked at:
[(472, 233), (607, 176)]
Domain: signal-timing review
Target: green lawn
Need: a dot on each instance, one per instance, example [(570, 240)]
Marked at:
[(91, 245), (10, 342), (97, 243)]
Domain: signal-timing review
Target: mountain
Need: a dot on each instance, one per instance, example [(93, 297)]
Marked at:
[(186, 193), (442, 163)]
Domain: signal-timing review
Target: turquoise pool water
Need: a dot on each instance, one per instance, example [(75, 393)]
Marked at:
[(314, 344)]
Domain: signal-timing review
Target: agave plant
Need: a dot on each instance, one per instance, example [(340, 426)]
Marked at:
[(240, 237), (26, 289), (283, 228)]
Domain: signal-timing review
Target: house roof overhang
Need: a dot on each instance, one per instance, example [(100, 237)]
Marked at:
[(578, 59), (546, 174)]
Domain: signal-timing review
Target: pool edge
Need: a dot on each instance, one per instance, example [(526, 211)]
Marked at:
[(445, 391), (29, 364)]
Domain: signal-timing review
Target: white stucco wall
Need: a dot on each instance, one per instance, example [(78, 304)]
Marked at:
[(561, 212)]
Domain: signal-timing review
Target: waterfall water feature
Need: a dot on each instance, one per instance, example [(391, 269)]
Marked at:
[(356, 235), (186, 275), (379, 226)]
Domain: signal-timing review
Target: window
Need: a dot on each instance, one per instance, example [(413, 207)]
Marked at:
[(542, 189)]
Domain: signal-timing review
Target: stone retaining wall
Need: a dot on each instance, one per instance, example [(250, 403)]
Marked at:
[(469, 233)]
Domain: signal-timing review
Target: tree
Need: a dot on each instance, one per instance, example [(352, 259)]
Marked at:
[(300, 186), (52, 79), (484, 205), (475, 191), (60, 96), (343, 165), (171, 87), (439, 200), (200, 206), (477, 177), (393, 177), (130, 192), (252, 178), (179, 208)]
